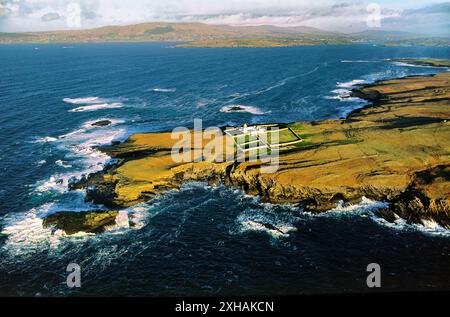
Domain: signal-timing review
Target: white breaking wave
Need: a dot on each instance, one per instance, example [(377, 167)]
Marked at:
[(63, 164), (364, 206), (87, 126), (343, 93), (41, 162), (163, 89), (68, 135), (84, 100), (241, 108), (81, 144), (46, 139), (406, 64), (275, 232), (276, 220), (428, 227), (351, 84), (95, 107), (25, 231), (367, 208), (357, 61)]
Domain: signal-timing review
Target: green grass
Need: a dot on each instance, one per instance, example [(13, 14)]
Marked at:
[(160, 30), (284, 136), (438, 62), (296, 127), (267, 42)]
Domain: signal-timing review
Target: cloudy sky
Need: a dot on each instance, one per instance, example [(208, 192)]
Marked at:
[(431, 16)]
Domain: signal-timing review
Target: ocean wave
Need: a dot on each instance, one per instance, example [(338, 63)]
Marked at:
[(163, 89), (67, 135), (368, 207), (406, 64), (93, 161), (358, 61), (278, 221), (41, 162), (343, 91), (84, 100), (428, 227), (275, 231), (343, 94), (88, 126), (363, 207), (63, 164), (45, 139), (82, 152), (57, 183), (280, 83), (365, 203), (242, 108), (351, 84), (26, 233), (203, 102), (95, 107)]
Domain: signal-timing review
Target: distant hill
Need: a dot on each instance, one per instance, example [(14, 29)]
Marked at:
[(206, 35), (397, 38), (440, 8), (296, 30), (383, 35), (186, 32)]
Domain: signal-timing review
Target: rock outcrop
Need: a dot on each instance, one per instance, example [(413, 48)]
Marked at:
[(75, 222)]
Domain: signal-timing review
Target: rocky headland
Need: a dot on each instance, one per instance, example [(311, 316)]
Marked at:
[(395, 149)]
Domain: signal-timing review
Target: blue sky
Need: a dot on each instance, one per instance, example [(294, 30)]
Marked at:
[(333, 15)]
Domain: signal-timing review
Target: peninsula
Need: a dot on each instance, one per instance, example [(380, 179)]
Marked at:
[(395, 149)]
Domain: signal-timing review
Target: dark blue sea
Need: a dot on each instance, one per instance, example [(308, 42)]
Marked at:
[(195, 241)]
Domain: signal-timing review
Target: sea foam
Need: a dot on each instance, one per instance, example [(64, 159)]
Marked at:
[(163, 89), (84, 100), (242, 108), (95, 107), (81, 145)]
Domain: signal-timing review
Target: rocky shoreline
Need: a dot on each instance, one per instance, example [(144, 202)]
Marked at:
[(396, 149)]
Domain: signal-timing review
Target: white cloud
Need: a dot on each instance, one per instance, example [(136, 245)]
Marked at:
[(333, 15)]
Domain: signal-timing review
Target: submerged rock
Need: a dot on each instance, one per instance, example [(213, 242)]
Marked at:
[(74, 222)]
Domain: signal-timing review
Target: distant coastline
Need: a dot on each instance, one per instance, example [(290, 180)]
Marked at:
[(199, 35)]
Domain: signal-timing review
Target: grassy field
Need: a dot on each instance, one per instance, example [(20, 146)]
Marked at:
[(436, 62), (264, 42), (275, 137)]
